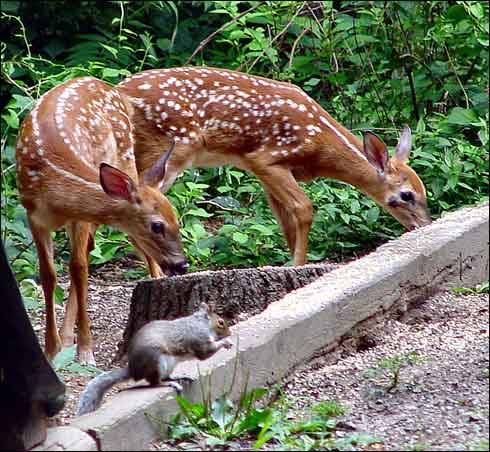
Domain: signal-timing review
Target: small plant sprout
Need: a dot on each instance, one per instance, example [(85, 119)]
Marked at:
[(391, 367)]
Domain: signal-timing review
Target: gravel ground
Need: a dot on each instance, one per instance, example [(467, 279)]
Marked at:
[(440, 403)]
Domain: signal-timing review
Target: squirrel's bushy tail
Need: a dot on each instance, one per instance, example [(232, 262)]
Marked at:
[(92, 395)]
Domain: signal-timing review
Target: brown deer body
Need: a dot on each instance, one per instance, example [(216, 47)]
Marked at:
[(272, 129), (76, 168)]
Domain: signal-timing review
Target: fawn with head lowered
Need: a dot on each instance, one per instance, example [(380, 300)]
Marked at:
[(274, 130), (76, 168)]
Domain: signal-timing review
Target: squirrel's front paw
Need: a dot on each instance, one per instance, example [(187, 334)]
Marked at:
[(227, 343)]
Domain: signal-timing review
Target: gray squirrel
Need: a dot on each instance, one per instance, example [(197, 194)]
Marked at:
[(155, 350)]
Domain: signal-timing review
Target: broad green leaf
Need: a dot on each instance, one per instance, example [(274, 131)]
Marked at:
[(110, 49), (110, 73), (11, 119), (240, 238), (221, 411), (462, 116), (199, 212), (59, 294), (262, 229), (64, 357), (226, 202), (346, 217)]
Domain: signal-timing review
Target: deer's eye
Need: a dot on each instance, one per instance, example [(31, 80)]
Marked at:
[(407, 196), (157, 227)]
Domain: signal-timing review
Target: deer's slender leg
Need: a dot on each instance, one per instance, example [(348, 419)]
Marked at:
[(47, 271), (71, 309), (285, 220), (292, 202), (80, 238)]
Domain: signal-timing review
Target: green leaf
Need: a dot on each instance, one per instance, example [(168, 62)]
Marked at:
[(110, 73), (252, 422), (163, 44), (226, 202), (240, 238), (110, 49), (21, 102), (214, 441), (462, 116), (199, 212), (11, 119), (372, 214), (59, 294), (64, 357), (262, 229), (345, 217), (456, 13), (221, 411), (476, 9), (84, 369)]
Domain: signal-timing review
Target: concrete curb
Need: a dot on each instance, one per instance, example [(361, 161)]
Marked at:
[(451, 252)]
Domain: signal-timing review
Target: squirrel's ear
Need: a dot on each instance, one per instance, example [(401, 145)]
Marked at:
[(205, 308)]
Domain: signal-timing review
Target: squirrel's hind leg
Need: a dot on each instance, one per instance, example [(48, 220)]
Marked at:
[(166, 365), (178, 387)]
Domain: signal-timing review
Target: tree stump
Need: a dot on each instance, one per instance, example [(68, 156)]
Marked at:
[(233, 294)]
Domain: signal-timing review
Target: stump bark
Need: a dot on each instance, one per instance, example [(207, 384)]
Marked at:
[(234, 294)]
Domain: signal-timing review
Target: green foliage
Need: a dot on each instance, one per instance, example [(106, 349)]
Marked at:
[(479, 289), (259, 421), (372, 65)]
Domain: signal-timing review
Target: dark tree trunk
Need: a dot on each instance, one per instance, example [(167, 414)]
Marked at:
[(234, 294), (29, 388)]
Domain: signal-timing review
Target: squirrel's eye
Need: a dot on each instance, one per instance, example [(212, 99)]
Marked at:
[(407, 196), (157, 227)]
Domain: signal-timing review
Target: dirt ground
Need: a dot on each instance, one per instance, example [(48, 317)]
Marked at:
[(439, 403)]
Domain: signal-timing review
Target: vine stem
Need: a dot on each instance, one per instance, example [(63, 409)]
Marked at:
[(206, 41), (296, 41), (286, 27), (24, 36), (457, 77)]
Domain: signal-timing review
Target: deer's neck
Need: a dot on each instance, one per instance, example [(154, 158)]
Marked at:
[(84, 201), (105, 210), (346, 162)]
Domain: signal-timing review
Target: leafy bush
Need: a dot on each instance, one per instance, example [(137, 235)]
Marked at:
[(372, 65)]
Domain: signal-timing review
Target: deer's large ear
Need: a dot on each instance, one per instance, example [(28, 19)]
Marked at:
[(376, 151), (402, 151), (154, 175), (116, 183)]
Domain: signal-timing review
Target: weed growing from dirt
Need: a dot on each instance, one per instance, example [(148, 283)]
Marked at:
[(391, 367)]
